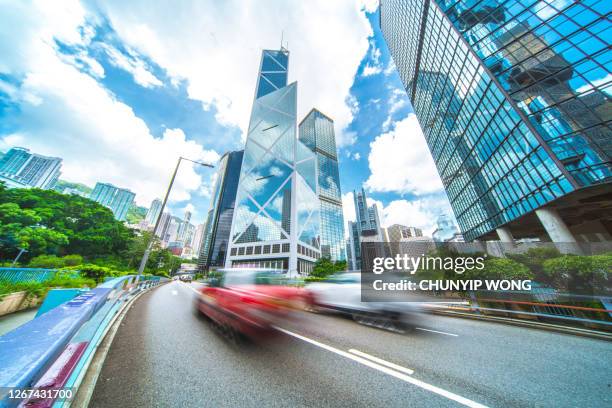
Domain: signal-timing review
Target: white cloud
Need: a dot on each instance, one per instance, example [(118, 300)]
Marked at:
[(357, 156), (397, 101), (369, 70), (400, 161), (216, 47), (348, 210), (420, 213), (132, 64), (67, 113)]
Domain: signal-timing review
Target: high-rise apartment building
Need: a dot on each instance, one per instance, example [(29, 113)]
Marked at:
[(118, 200), (216, 230), (316, 131), (22, 169), (271, 227), (153, 212), (514, 101)]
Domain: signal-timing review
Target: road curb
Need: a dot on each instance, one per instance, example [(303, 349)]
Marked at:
[(92, 372), (539, 325)]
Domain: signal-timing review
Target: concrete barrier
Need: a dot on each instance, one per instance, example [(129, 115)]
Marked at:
[(28, 353)]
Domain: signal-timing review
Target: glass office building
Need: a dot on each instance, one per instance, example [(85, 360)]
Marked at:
[(514, 101), (277, 217), (216, 233), (367, 224), (316, 131)]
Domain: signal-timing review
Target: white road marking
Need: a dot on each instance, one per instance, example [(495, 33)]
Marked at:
[(175, 292), (382, 362), (436, 331), (192, 288), (432, 388)]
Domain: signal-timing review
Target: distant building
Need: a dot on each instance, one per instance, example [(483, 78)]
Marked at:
[(21, 169), (153, 212), (396, 232), (198, 235), (446, 229), (118, 200), (316, 131), (367, 225), (214, 238), (164, 222)]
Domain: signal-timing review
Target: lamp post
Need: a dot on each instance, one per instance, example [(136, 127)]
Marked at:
[(21, 251), (145, 256)]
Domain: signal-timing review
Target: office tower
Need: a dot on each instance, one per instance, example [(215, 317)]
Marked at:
[(171, 232), (514, 102), (118, 200), (367, 225), (185, 229), (198, 236), (21, 169), (353, 251), (316, 131), (276, 220), (153, 212), (215, 238), (446, 229)]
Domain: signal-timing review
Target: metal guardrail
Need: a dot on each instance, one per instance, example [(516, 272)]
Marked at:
[(17, 275), (542, 304), (54, 350)]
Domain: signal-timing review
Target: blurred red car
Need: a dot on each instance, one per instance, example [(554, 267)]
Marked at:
[(250, 301)]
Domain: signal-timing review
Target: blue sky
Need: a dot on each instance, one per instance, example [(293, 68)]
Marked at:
[(120, 91)]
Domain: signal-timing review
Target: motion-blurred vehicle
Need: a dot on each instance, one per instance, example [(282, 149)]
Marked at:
[(342, 293), (186, 278), (249, 301)]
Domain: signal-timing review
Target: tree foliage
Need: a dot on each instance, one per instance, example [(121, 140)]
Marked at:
[(47, 222), (325, 267)]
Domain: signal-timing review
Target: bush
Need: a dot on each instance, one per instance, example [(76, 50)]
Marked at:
[(500, 268), (580, 273), (534, 259), (52, 261)]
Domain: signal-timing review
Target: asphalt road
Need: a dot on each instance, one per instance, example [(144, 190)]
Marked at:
[(165, 356)]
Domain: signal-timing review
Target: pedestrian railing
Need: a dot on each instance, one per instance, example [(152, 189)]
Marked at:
[(542, 305), (18, 275)]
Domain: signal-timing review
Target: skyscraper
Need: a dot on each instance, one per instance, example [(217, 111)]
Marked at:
[(316, 131), (367, 225), (275, 162), (118, 200), (216, 233), (514, 102), (20, 168)]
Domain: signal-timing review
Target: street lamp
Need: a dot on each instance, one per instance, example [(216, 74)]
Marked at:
[(145, 256), (21, 251)]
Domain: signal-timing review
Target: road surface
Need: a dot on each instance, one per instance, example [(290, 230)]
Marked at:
[(163, 355)]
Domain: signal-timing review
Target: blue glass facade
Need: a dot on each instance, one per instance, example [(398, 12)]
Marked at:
[(277, 216), (272, 72), (219, 220), (513, 98), (316, 131)]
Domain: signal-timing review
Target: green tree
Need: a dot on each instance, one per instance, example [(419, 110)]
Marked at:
[(47, 222), (498, 268), (325, 267), (534, 259), (135, 214), (577, 273)]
